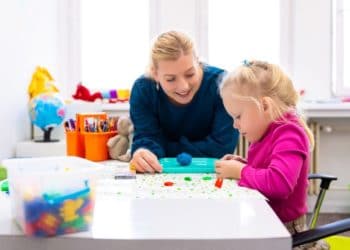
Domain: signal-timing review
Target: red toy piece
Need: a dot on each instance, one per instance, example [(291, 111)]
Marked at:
[(83, 93), (48, 223), (168, 183), (218, 182)]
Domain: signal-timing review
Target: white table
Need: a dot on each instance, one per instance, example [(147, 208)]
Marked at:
[(125, 222)]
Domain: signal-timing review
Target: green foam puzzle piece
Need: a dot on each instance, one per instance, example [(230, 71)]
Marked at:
[(4, 186), (198, 165), (3, 173)]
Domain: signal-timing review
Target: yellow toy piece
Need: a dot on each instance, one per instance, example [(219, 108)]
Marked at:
[(68, 211), (42, 82), (123, 95)]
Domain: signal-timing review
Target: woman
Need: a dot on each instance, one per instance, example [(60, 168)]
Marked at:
[(177, 108)]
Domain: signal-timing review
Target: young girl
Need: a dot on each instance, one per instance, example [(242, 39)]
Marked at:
[(262, 101)]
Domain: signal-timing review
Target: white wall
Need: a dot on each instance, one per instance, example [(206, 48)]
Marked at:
[(307, 56), (184, 15), (28, 37), (311, 47)]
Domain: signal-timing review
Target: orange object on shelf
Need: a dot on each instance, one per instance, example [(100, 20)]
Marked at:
[(75, 140), (75, 144), (96, 145)]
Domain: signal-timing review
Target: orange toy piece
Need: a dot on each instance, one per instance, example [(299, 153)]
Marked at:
[(83, 93), (48, 223)]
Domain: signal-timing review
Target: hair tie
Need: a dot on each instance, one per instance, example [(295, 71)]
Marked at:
[(246, 63)]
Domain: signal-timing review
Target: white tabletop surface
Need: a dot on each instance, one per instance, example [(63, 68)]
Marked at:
[(164, 224), (126, 218)]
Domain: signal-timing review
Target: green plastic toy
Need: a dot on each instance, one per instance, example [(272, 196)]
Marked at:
[(198, 165), (4, 186), (3, 173)]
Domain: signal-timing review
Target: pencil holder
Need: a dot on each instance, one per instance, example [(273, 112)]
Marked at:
[(75, 144), (96, 145)]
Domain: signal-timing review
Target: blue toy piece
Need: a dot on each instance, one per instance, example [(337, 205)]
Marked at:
[(198, 165), (184, 159), (33, 209), (56, 199)]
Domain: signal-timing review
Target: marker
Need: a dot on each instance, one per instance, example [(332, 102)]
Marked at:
[(125, 176), (72, 124)]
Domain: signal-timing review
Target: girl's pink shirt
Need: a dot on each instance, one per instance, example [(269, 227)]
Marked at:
[(278, 167)]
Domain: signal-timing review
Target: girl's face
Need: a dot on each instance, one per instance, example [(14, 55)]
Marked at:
[(250, 119), (180, 79)]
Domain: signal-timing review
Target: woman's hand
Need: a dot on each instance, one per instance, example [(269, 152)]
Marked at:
[(145, 161), (229, 168)]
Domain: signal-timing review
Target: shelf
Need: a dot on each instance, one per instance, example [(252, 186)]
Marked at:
[(326, 109), (40, 149)]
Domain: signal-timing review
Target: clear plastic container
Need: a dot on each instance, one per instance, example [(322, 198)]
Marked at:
[(52, 195)]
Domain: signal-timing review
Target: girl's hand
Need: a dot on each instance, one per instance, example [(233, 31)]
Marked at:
[(233, 157), (145, 161), (229, 168)]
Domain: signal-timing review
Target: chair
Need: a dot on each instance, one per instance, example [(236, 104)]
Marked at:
[(321, 232), (316, 233)]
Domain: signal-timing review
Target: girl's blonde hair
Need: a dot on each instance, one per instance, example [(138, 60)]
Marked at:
[(170, 46), (257, 79)]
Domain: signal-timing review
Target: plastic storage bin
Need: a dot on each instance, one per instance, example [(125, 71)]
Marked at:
[(52, 195)]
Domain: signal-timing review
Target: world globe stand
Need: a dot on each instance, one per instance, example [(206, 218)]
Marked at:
[(47, 136)]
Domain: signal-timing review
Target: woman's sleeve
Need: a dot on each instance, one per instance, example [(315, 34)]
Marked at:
[(147, 133)]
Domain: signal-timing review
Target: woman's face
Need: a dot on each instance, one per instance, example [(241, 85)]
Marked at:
[(180, 79)]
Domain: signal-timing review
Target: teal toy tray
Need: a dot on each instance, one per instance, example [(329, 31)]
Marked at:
[(198, 165)]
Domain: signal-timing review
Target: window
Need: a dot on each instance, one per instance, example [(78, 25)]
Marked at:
[(341, 47), (114, 42), (239, 30)]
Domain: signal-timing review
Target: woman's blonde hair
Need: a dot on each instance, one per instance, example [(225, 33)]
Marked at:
[(255, 79), (170, 46)]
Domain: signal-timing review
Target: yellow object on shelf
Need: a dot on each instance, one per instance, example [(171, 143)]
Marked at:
[(42, 82)]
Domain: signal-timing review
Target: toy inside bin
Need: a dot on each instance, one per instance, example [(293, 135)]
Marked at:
[(52, 195)]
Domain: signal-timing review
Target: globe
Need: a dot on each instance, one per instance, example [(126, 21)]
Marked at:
[(47, 111)]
